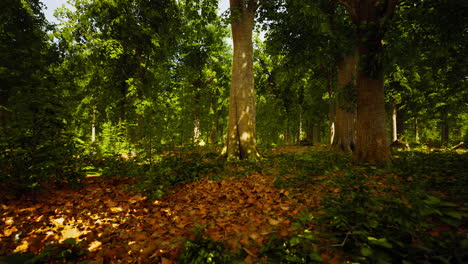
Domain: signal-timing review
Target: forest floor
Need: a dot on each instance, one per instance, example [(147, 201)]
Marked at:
[(116, 225)]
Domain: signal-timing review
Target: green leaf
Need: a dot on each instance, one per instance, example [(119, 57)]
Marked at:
[(380, 242), (315, 256), (366, 251), (294, 241)]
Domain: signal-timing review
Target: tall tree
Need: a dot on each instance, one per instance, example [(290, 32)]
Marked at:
[(345, 105), (241, 138), (371, 18)]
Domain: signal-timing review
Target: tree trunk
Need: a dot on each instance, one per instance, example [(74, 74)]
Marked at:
[(93, 126), (310, 132), (394, 123), (416, 130), (371, 139), (444, 135), (241, 138), (371, 18), (319, 132), (400, 122), (345, 110), (331, 108)]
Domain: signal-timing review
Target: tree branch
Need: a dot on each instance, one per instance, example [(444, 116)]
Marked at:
[(351, 7), (254, 5), (391, 6)]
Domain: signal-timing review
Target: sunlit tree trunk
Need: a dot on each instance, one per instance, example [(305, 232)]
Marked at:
[(331, 108), (394, 123), (416, 130), (93, 126), (345, 110), (241, 138)]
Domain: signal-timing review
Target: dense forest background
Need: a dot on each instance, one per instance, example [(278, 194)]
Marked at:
[(120, 76), (126, 83)]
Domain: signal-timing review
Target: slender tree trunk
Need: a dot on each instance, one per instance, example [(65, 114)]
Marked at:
[(319, 132), (241, 139), (416, 130), (299, 132), (394, 123), (310, 132), (331, 108), (400, 122), (345, 110), (93, 126), (444, 136)]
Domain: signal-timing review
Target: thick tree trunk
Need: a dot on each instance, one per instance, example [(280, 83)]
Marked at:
[(241, 138), (371, 136), (345, 110), (371, 18)]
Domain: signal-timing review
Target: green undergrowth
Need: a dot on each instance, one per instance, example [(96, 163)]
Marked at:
[(440, 171), (30, 163), (299, 248), (69, 251), (301, 169), (412, 212), (377, 219)]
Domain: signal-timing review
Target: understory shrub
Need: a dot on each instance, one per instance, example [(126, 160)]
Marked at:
[(27, 164), (69, 251), (171, 170), (376, 219)]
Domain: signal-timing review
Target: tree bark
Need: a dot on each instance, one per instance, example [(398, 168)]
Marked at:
[(444, 135), (93, 126), (371, 18), (416, 130), (394, 123), (371, 139), (345, 110), (331, 108), (241, 138)]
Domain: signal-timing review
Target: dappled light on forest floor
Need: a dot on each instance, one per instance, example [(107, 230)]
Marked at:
[(298, 202), (117, 225)]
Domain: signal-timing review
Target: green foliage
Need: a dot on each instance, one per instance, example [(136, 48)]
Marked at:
[(69, 251), (299, 169), (204, 250), (119, 167), (296, 249), (27, 164), (176, 169), (435, 171), (390, 221)]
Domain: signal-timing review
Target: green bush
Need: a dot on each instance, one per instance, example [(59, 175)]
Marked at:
[(300, 169), (296, 249), (442, 171), (202, 250), (176, 169), (66, 252), (377, 224), (26, 165)]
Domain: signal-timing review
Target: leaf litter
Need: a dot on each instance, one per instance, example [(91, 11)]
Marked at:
[(122, 227)]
